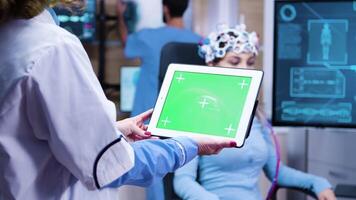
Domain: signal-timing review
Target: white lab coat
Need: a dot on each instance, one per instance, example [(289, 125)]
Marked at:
[(57, 133)]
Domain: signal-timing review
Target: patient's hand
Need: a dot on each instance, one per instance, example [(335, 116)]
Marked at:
[(327, 194), (209, 146)]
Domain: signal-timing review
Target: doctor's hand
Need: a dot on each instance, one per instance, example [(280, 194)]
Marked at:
[(208, 146), (327, 194), (134, 128)]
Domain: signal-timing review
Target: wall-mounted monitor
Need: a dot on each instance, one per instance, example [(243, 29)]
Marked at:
[(79, 22), (315, 63), (128, 81)]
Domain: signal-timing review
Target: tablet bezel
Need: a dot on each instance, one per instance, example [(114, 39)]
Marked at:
[(256, 80)]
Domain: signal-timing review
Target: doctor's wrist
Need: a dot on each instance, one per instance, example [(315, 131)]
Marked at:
[(188, 149)]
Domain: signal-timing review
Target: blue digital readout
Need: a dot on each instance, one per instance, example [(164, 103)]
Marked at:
[(315, 63)]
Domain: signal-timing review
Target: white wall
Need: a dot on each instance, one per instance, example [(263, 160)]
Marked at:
[(214, 12), (268, 54), (150, 14)]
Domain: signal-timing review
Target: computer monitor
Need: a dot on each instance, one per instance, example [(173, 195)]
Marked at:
[(79, 22), (128, 81), (314, 63)]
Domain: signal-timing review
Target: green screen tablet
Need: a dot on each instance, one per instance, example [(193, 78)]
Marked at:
[(206, 101)]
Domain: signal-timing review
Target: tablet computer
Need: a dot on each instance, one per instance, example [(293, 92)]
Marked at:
[(206, 101)]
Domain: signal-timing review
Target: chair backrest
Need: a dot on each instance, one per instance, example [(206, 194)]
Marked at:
[(178, 52)]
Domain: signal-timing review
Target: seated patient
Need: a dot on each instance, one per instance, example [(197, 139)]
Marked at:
[(234, 173)]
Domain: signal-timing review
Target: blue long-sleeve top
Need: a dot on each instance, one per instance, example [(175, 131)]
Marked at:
[(234, 173), (155, 158)]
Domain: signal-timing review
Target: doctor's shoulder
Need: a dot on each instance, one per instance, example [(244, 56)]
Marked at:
[(27, 9), (35, 20)]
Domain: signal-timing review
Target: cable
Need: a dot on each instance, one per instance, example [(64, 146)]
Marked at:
[(278, 154)]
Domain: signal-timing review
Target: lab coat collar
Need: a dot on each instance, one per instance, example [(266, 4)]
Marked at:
[(44, 17)]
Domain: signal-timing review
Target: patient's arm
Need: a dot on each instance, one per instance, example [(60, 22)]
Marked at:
[(186, 186), (289, 177)]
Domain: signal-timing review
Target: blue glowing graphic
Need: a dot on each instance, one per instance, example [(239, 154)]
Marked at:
[(316, 112), (316, 83), (288, 12), (80, 23), (85, 18), (340, 67), (315, 63), (327, 41), (289, 41)]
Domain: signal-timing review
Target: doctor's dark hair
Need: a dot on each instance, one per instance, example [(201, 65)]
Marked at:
[(26, 9), (176, 7)]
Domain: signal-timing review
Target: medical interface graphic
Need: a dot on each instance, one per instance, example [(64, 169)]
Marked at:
[(315, 63)]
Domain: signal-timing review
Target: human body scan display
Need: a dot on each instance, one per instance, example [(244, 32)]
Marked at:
[(315, 63), (210, 101)]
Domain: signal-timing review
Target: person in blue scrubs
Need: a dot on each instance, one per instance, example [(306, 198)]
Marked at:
[(146, 45), (59, 138), (234, 173)]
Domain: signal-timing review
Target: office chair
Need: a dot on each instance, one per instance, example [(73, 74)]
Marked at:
[(187, 53), (177, 52)]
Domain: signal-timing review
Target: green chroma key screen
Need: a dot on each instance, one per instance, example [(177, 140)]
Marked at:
[(203, 103)]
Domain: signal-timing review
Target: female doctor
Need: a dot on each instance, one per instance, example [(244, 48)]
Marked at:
[(58, 135)]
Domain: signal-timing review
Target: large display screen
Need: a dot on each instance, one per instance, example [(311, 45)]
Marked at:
[(128, 82), (79, 22), (315, 63)]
